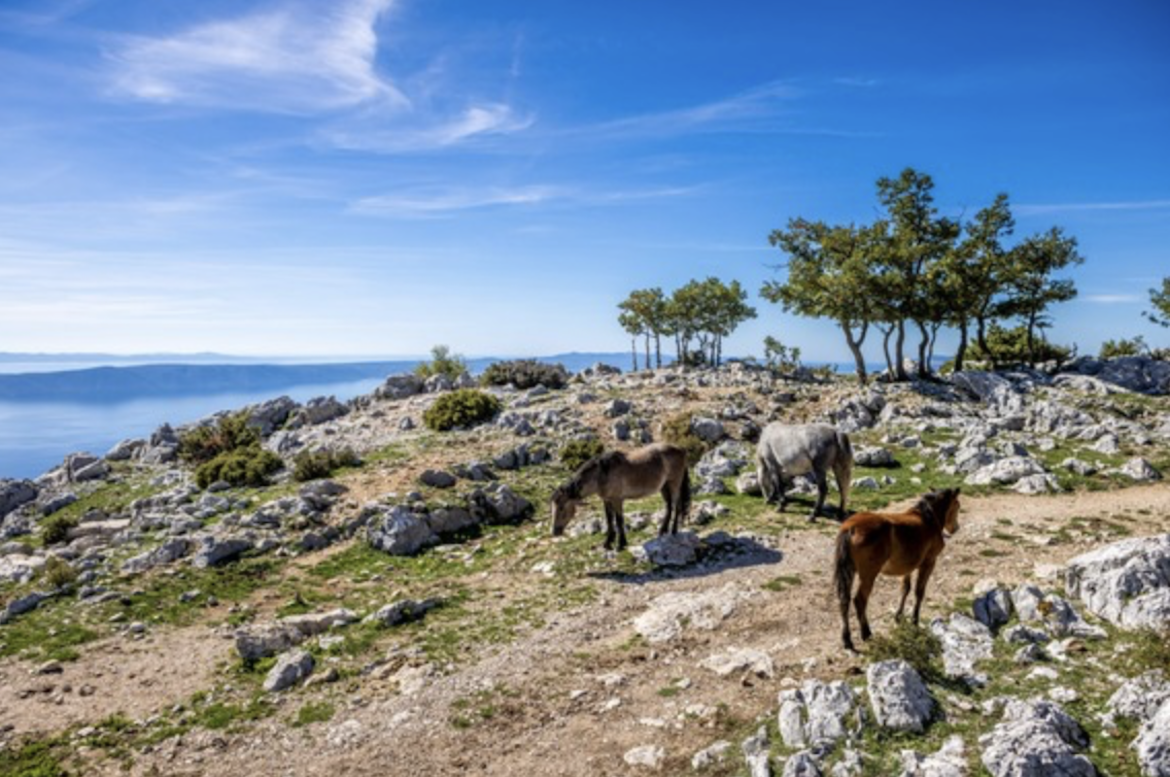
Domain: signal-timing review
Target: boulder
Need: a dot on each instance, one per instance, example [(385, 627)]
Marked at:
[(437, 479), (673, 550), (496, 503), (993, 608), (402, 612), (1036, 484), (670, 614), (400, 531), (22, 604), (269, 416), (291, 668), (708, 430), (1153, 743), (1036, 739), (1127, 583), (802, 764), (949, 761), (59, 502), (874, 457), (1140, 697), (748, 484), (1140, 470), (399, 387), (647, 756), (817, 714), (899, 699), (14, 494), (755, 753), (1005, 471), (965, 641), (1000, 395), (211, 551), (125, 450), (318, 410), (169, 552)]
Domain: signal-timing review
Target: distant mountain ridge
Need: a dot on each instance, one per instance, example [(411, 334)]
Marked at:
[(112, 383)]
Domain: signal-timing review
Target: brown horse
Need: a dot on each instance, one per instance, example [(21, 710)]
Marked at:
[(892, 544), (616, 477)]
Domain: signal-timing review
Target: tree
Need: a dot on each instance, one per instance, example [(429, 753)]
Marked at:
[(918, 240), (1031, 287), (707, 310), (829, 276), (1161, 302), (976, 270), (635, 327)]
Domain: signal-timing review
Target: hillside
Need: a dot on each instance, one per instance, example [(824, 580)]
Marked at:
[(489, 647)]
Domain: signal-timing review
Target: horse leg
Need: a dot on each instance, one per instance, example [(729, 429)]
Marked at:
[(620, 519), (664, 527), (822, 492), (920, 585), (862, 598), (781, 494), (609, 528), (905, 593)]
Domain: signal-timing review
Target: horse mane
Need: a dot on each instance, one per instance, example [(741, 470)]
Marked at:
[(933, 506), (602, 462)]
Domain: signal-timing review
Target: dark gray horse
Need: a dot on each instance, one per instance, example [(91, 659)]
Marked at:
[(786, 451)]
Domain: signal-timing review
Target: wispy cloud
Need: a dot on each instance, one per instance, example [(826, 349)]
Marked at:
[(1073, 207), (295, 58), (744, 111), (435, 202), (853, 81), (473, 124), (1113, 299)]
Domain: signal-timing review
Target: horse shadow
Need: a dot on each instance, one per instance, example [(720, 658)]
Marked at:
[(725, 553)]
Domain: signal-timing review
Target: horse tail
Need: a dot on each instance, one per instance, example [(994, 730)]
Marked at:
[(844, 469), (683, 508), (843, 571)]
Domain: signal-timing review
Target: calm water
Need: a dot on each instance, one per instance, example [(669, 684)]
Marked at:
[(36, 436)]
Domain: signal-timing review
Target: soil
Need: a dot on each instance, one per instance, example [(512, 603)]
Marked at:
[(572, 697)]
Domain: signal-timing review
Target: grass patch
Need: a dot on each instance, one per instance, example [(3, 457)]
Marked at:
[(782, 583), (43, 758), (913, 644), (314, 712)]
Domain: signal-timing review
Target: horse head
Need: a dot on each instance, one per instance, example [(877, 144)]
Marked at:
[(951, 518), (564, 507)]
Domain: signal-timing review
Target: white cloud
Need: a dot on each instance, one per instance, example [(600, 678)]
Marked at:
[(1071, 207), (1113, 299), (296, 58), (438, 202), (474, 123)]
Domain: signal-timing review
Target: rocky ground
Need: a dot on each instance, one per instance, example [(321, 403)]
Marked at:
[(411, 615)]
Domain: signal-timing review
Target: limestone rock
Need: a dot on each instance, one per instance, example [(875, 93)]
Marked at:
[(740, 661), (899, 699), (816, 714), (673, 550), (1036, 739), (949, 761), (15, 493), (1153, 743), (291, 668), (648, 756), (994, 608), (1126, 583), (1005, 471), (965, 641), (671, 613)]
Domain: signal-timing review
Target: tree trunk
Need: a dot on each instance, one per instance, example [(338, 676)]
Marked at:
[(933, 338), (634, 353), (855, 347), (1031, 340), (962, 346), (657, 351), (647, 350), (981, 337), (900, 365), (886, 350), (923, 344)]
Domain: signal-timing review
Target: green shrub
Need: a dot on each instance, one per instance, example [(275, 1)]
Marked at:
[(205, 443), (56, 528), (312, 465), (525, 374), (442, 362), (463, 407), (1112, 349), (677, 431), (249, 466), (58, 573), (574, 453), (1010, 346), (913, 644), (779, 357)]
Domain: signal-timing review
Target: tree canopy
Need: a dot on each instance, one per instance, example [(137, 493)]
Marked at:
[(706, 311)]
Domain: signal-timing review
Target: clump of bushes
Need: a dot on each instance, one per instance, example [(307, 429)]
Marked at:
[(56, 527), (462, 407), (1010, 346), (525, 374), (229, 451), (677, 431), (574, 453), (1113, 349), (204, 443), (58, 573), (248, 466), (312, 465), (442, 362)]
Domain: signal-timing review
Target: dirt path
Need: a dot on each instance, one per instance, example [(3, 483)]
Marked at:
[(572, 697)]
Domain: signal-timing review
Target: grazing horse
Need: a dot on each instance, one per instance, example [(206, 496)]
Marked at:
[(617, 476), (892, 544), (785, 451)]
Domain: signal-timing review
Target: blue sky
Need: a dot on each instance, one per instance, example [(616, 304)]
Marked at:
[(371, 177)]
